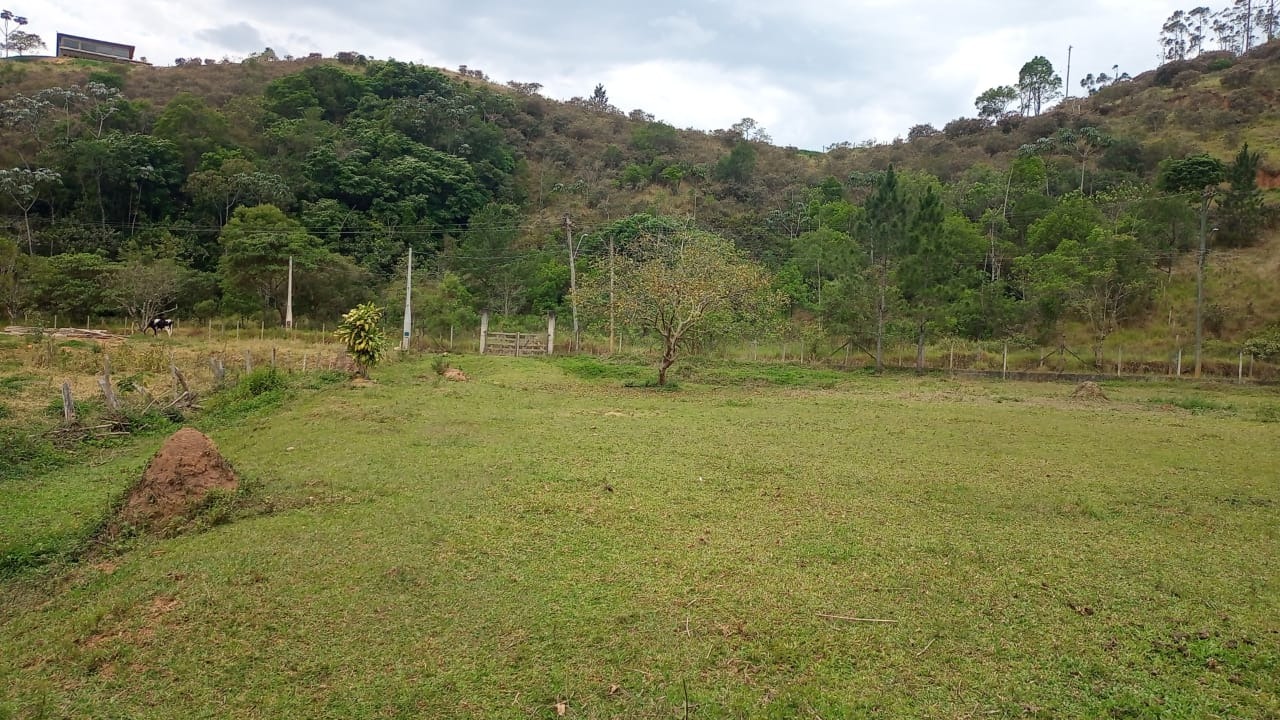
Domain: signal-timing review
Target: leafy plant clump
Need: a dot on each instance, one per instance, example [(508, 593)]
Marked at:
[(361, 331), (439, 364), (261, 381)]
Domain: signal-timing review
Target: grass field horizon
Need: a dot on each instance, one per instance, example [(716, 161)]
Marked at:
[(545, 540)]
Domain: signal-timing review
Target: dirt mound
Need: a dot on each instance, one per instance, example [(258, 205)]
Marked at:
[(1088, 391), (455, 375), (177, 481)]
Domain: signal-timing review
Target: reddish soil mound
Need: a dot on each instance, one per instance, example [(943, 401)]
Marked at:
[(177, 480), (1089, 391), (455, 375)]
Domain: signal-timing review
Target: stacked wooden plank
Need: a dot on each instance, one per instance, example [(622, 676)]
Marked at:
[(64, 333)]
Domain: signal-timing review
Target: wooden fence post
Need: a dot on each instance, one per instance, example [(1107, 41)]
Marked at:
[(1240, 373), (104, 382), (1004, 369), (484, 330), (551, 333), (1179, 371), (68, 405), (219, 371), (248, 361), (180, 382)]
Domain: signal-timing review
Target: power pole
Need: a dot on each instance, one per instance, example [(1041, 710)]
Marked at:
[(573, 280), (1204, 249), (611, 335), (408, 303), (288, 303)]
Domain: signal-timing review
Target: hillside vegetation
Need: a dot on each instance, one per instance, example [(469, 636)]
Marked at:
[(137, 189)]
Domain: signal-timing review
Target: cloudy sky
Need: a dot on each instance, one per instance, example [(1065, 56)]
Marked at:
[(811, 72)]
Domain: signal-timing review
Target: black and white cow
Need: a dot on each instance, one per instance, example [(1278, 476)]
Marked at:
[(158, 323)]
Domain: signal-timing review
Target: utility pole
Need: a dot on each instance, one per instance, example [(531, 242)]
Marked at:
[(408, 303), (1200, 261), (573, 279), (611, 335), (288, 303), (1069, 49)]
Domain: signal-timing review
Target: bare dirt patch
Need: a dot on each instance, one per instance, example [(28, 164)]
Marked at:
[(177, 482), (455, 375)]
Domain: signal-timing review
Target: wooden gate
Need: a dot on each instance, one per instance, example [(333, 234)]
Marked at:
[(519, 344)]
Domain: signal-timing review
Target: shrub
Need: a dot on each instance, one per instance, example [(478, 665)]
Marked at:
[(260, 382), (962, 127), (439, 364), (919, 132), (1265, 346), (361, 332), (1237, 78)]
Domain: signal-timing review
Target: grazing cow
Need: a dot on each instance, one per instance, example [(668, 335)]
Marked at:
[(158, 323)]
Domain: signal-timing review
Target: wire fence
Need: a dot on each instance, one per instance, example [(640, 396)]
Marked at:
[(1148, 359)]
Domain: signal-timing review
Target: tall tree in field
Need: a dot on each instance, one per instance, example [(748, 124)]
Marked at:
[(1100, 280), (24, 188), (1197, 25), (256, 246), (12, 25), (1240, 207), (1038, 84), (1084, 144), (680, 286), (143, 287), (1174, 37), (20, 43), (12, 287), (940, 260), (1267, 20), (883, 230), (994, 103)]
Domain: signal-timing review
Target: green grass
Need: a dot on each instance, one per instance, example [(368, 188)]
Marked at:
[(1195, 404), (544, 535)]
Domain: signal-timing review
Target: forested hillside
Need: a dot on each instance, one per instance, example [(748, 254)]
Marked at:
[(132, 189)]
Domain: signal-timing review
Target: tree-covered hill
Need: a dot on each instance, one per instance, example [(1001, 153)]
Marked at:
[(205, 177)]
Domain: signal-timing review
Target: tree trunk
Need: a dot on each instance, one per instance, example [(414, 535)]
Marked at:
[(920, 349), (880, 328), (668, 359), (26, 222)]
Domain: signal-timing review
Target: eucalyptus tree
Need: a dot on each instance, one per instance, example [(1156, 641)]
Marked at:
[(1038, 84)]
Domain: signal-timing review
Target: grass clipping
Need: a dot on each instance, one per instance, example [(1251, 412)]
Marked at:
[(187, 475)]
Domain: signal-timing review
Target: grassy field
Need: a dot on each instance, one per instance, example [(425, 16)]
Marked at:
[(544, 540)]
